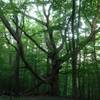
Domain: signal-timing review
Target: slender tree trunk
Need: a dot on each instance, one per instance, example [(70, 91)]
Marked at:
[(74, 55), (17, 60), (65, 85), (74, 79), (17, 68)]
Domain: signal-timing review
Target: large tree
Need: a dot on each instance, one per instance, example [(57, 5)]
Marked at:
[(56, 29)]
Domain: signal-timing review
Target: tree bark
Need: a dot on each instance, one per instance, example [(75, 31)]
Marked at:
[(17, 80), (54, 91)]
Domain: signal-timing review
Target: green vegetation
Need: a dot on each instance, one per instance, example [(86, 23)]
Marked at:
[(50, 48)]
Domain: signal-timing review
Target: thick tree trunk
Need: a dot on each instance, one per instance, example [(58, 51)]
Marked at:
[(54, 86), (54, 91)]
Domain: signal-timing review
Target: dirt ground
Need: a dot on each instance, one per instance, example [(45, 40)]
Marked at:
[(33, 98)]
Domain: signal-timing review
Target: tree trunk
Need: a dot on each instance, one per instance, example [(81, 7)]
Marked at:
[(65, 92), (54, 91), (54, 86), (74, 79), (17, 83)]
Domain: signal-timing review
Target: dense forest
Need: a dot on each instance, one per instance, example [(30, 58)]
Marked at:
[(50, 48)]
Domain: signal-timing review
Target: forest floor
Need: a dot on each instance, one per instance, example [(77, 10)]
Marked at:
[(32, 98)]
